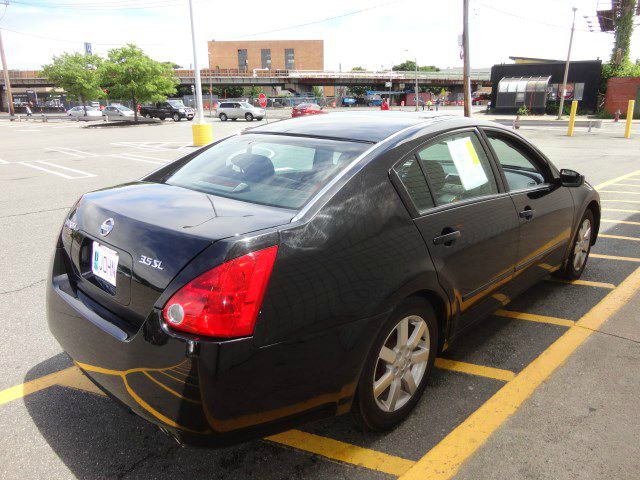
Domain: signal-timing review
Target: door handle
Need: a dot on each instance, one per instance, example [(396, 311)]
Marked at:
[(527, 213), (447, 238)]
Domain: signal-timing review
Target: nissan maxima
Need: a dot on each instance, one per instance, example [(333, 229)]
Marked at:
[(308, 268)]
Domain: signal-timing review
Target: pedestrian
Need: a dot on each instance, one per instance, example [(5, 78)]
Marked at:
[(437, 104), (28, 110), (429, 104), (384, 105)]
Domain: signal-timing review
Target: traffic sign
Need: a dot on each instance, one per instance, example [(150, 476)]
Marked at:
[(262, 99)]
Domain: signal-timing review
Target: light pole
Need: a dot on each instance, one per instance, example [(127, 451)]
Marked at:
[(466, 71), (566, 67), (202, 132), (416, 61)]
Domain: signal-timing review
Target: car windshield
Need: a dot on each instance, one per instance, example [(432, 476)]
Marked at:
[(267, 169), (176, 103)]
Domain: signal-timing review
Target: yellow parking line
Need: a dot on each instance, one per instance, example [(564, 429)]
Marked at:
[(616, 180), (69, 377), (344, 452), (530, 317), (473, 369), (445, 459), (620, 210), (620, 201), (617, 191), (614, 257), (586, 283), (627, 184), (624, 222), (619, 237)]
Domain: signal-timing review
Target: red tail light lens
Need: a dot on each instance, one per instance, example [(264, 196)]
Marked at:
[(225, 301)]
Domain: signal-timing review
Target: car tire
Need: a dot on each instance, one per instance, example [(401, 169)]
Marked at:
[(395, 372), (259, 118), (223, 117), (176, 117), (248, 117), (147, 115), (580, 248)]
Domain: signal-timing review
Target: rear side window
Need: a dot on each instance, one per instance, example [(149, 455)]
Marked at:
[(457, 168), (520, 171), (410, 174), (267, 169)]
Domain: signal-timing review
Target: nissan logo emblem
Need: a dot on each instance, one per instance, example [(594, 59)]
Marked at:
[(106, 227)]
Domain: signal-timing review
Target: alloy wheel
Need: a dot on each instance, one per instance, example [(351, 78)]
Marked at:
[(582, 245), (402, 362)]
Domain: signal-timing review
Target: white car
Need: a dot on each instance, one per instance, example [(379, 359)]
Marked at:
[(235, 110), (81, 111), (117, 111)]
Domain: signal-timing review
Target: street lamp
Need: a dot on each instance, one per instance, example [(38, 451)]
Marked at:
[(416, 87), (202, 132)]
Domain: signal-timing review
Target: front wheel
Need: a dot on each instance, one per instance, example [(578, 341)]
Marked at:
[(396, 370), (248, 117), (176, 117), (147, 115), (223, 117), (580, 249)]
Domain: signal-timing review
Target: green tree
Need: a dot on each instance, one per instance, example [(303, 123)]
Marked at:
[(623, 29), (76, 74), (358, 69), (410, 66), (252, 91), (129, 73), (318, 92)]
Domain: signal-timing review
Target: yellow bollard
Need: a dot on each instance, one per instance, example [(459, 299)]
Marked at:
[(627, 129), (572, 117), (202, 134)]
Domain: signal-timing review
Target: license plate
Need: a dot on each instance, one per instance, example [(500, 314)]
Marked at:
[(104, 263)]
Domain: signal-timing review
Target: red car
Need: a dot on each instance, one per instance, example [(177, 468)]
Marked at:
[(306, 109)]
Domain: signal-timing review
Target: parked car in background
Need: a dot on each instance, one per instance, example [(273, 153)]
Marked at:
[(174, 109), (306, 109), (349, 101), (308, 267), (117, 111), (235, 110), (86, 111)]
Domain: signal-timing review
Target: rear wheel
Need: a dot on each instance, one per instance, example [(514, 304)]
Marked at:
[(147, 115), (223, 117), (248, 117), (176, 117), (580, 249), (396, 370)]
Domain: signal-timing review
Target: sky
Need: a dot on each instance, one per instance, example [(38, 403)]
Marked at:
[(382, 32)]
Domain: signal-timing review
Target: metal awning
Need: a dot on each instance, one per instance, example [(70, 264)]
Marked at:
[(523, 84)]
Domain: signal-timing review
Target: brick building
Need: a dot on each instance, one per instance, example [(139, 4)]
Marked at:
[(619, 91), (246, 55)]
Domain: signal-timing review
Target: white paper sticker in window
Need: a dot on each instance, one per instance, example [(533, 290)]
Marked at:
[(467, 162)]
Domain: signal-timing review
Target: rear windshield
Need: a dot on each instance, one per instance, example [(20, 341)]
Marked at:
[(267, 169)]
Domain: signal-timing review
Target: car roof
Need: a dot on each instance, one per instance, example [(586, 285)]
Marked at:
[(363, 126)]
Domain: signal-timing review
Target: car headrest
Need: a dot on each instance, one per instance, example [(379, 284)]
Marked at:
[(252, 167), (436, 174)]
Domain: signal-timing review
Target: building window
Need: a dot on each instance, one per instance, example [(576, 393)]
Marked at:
[(265, 56), (289, 59), (243, 63)]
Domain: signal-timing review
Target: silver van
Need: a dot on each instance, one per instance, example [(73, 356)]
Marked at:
[(235, 110)]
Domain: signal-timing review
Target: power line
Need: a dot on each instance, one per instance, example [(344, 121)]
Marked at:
[(75, 41), (327, 19), (149, 4)]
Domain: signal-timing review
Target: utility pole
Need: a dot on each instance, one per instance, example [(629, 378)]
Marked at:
[(416, 60), (566, 67), (466, 71), (196, 69), (5, 73)]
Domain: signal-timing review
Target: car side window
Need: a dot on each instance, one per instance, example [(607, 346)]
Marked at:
[(457, 168), (410, 175), (520, 171)]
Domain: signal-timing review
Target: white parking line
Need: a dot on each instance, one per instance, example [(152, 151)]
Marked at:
[(47, 170), (139, 146), (71, 151), (60, 174), (66, 168)]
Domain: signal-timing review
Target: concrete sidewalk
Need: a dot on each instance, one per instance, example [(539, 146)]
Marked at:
[(583, 423)]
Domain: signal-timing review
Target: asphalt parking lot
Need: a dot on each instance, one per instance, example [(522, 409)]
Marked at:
[(57, 426)]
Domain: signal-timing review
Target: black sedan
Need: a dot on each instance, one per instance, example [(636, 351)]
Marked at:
[(308, 268)]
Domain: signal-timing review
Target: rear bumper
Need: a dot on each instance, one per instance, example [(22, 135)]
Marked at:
[(222, 392)]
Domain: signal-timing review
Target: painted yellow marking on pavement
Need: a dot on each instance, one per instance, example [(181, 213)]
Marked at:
[(473, 369), (69, 377), (619, 237), (530, 317), (620, 210), (614, 257), (627, 184), (619, 191), (586, 283), (344, 452), (445, 459), (624, 222), (619, 200), (616, 180)]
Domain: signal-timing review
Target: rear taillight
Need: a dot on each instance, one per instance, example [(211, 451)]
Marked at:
[(225, 301)]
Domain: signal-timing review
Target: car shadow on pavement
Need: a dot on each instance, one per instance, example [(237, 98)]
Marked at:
[(95, 438)]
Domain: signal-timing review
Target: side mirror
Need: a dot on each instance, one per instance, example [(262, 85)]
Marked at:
[(571, 178)]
